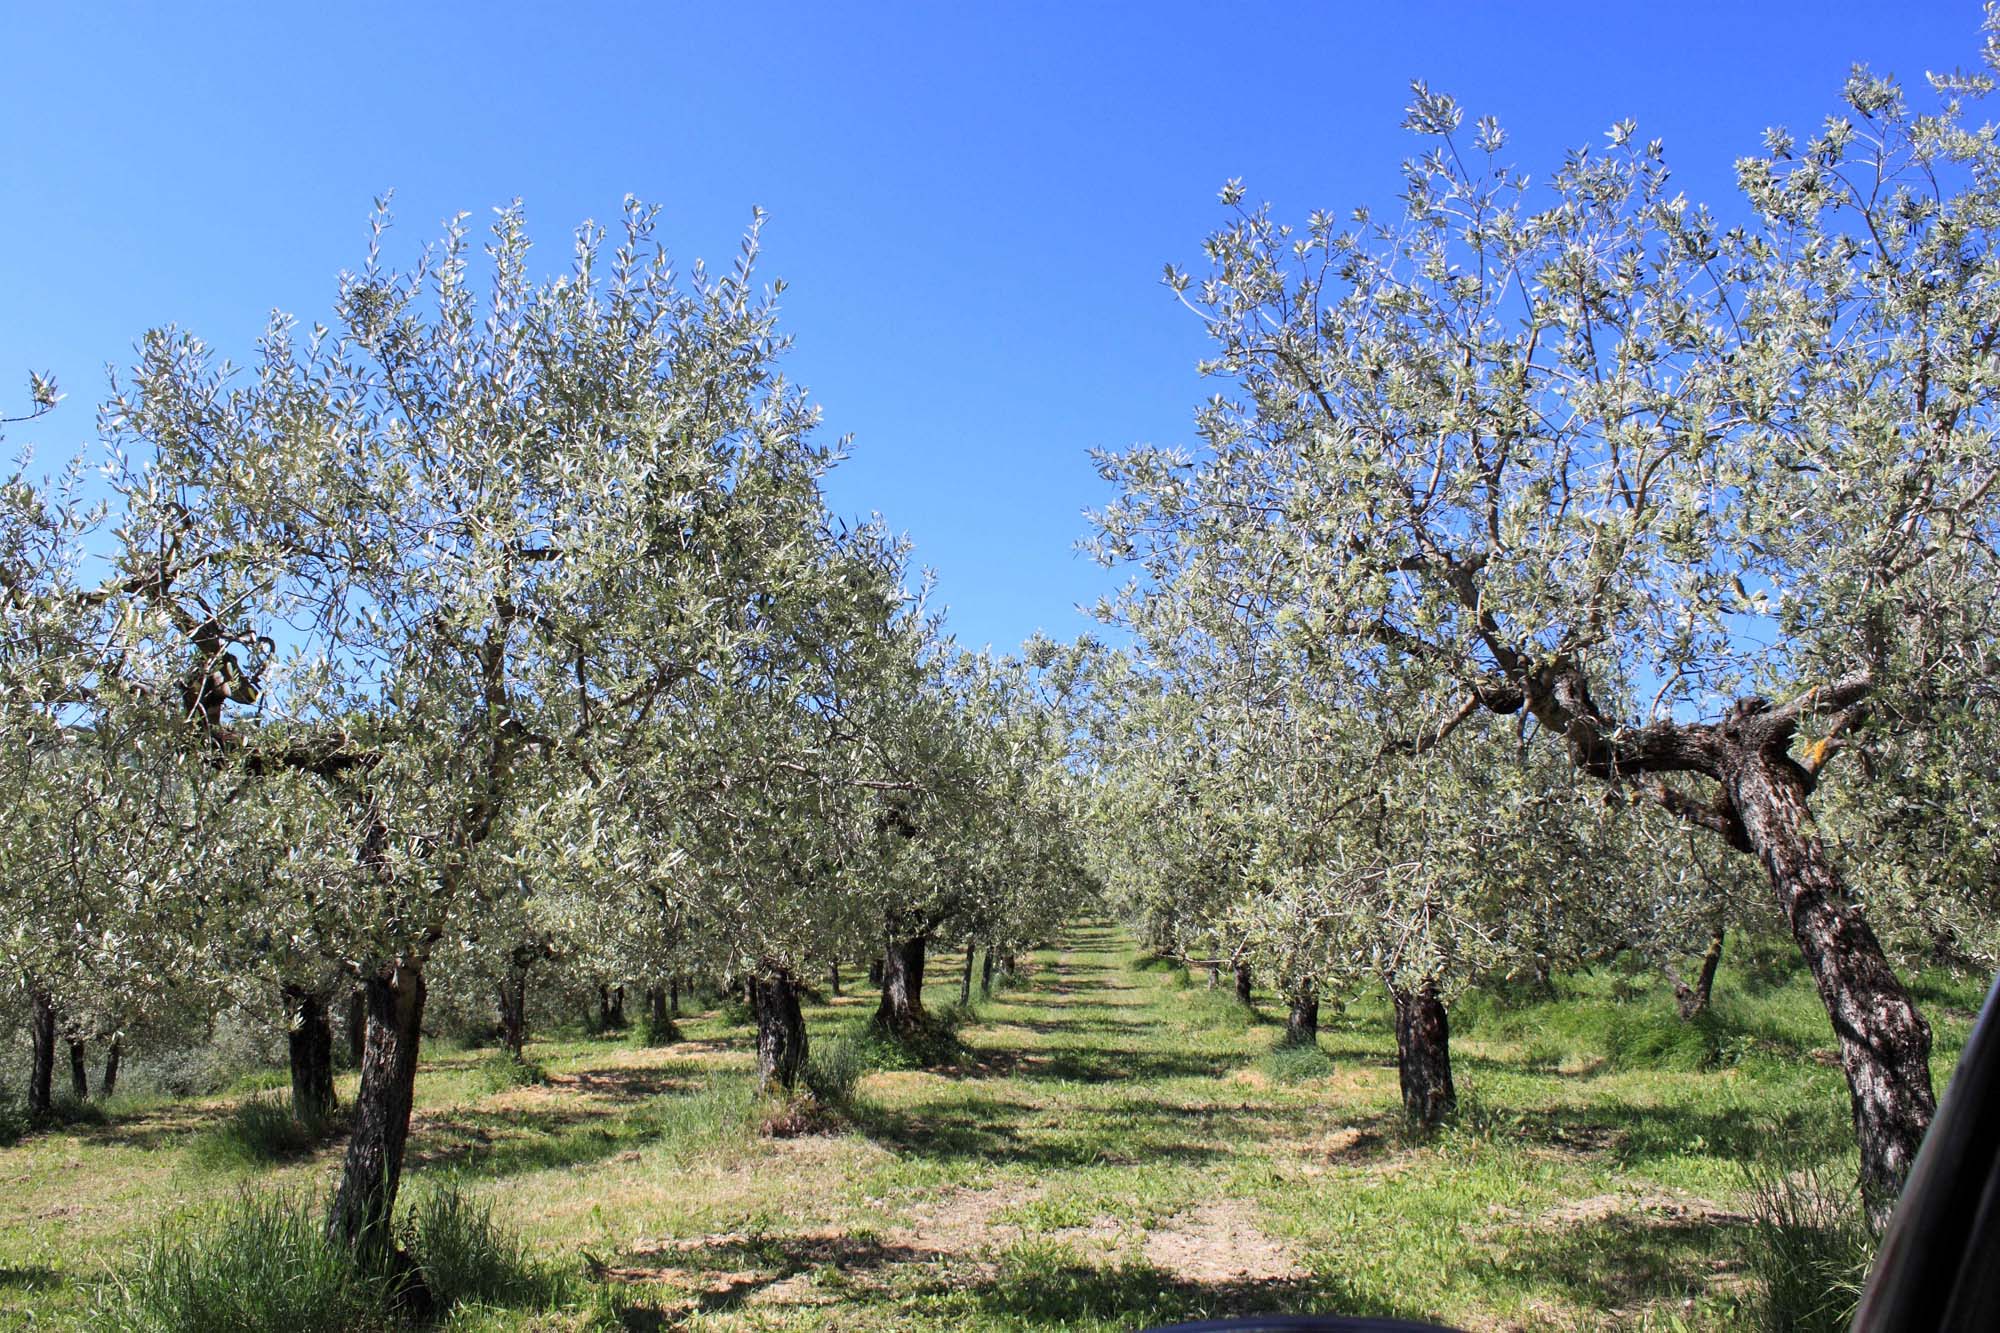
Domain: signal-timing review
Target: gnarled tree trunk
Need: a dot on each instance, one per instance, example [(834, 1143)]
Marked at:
[(1885, 1045), (309, 1043), (113, 1052), (1423, 1054), (1302, 1017), (781, 1029), (1693, 997), (902, 1006), (42, 1069), (363, 1208)]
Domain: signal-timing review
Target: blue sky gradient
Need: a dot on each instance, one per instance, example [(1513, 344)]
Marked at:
[(971, 204)]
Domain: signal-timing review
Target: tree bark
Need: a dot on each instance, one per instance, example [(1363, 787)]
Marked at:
[(79, 1075), (833, 978), (1302, 1017), (357, 1026), (1243, 983), (902, 1006), (1423, 1055), (364, 1208), (511, 999), (781, 1029), (113, 1053), (1693, 999), (986, 974), (965, 980), (660, 1027), (309, 1043), (42, 1072), (673, 997), (1885, 1044)]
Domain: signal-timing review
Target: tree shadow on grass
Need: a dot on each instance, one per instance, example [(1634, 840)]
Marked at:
[(1622, 1261), (32, 1278), (1047, 1286), (1130, 1131)]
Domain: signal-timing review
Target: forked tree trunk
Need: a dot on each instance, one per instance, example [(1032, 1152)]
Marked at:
[(1885, 1044), (781, 1030), (364, 1208), (309, 1043), (1243, 983), (902, 1006), (79, 1075), (113, 1052), (1693, 998), (1302, 1017), (1423, 1055), (965, 981), (42, 1070)]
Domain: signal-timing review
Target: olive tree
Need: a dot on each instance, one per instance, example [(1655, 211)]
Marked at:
[(1708, 502), (425, 555)]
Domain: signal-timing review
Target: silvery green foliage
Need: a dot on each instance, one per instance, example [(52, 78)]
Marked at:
[(94, 821), (1581, 429), (450, 552)]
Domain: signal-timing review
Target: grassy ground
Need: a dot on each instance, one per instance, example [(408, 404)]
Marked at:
[(1119, 1146)]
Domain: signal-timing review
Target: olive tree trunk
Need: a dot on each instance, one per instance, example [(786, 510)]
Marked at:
[(1243, 983), (1423, 1055), (1885, 1045), (42, 1070), (511, 1001), (79, 1074), (781, 1029), (986, 974), (364, 1207), (113, 1053), (309, 1044), (1693, 997), (660, 1027), (1302, 1017), (965, 979), (902, 1006)]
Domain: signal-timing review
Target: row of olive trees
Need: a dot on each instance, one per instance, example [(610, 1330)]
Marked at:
[(486, 615), (1706, 511)]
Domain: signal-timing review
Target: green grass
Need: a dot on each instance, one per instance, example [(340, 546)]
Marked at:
[(1105, 1145)]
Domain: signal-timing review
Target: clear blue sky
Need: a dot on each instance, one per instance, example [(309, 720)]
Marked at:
[(972, 204)]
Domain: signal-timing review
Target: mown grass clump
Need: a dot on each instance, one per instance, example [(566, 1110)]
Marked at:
[(266, 1262), (931, 1042), (1295, 1062), (261, 1131), (503, 1070)]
